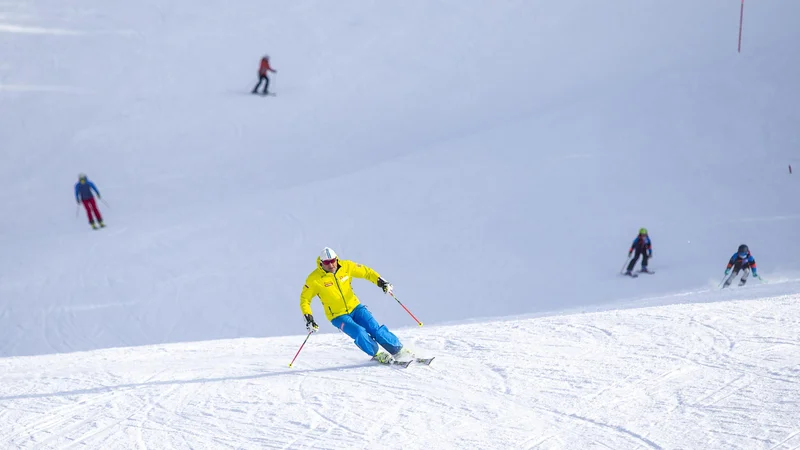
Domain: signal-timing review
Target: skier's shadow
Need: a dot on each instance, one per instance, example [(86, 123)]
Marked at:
[(120, 387)]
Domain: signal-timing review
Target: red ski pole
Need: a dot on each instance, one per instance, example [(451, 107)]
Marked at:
[(404, 307), (301, 347)]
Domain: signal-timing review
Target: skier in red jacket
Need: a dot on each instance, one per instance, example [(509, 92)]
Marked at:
[(262, 75)]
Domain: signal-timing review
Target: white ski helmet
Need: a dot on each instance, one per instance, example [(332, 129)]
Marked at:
[(327, 254)]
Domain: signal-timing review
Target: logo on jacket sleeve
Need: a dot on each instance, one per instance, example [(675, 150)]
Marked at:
[(328, 284)]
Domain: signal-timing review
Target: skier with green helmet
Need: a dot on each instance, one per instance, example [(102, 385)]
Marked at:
[(643, 247)]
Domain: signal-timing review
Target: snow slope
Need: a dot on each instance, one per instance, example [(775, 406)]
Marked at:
[(491, 159), (488, 159), (720, 371)]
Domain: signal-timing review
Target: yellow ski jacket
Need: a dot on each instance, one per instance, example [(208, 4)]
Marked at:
[(334, 290)]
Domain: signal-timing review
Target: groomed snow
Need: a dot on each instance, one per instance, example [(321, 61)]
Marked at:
[(724, 374), (493, 160)]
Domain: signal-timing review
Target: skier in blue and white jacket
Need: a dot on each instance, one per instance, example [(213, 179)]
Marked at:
[(742, 260)]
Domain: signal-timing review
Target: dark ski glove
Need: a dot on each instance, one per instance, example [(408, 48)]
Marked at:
[(311, 326), (386, 286)]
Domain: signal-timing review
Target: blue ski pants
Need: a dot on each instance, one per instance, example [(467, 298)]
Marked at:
[(367, 332)]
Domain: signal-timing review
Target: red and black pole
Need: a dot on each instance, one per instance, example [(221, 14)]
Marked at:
[(301, 347), (404, 307)]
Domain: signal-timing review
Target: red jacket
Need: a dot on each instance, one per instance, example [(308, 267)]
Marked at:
[(265, 67)]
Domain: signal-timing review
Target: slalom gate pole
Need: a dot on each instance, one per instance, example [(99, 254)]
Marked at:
[(741, 21), (301, 348), (404, 307)]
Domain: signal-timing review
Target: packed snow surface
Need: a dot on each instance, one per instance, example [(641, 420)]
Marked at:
[(493, 160)]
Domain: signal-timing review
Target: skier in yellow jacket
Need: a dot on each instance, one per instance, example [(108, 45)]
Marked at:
[(330, 281)]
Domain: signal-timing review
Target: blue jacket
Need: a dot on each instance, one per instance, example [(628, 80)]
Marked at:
[(747, 261), (83, 191), (643, 245)]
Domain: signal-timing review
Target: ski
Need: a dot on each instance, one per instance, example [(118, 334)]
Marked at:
[(394, 362), (403, 364), (647, 271), (632, 275)]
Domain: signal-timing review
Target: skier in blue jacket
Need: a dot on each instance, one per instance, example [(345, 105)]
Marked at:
[(644, 248), (742, 260), (83, 194)]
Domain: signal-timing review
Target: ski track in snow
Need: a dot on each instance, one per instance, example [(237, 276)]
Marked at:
[(565, 131), (705, 375)]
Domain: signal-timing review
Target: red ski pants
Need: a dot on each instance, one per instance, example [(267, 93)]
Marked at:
[(91, 206)]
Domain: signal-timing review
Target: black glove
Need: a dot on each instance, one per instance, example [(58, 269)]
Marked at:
[(311, 326), (630, 252), (385, 285)]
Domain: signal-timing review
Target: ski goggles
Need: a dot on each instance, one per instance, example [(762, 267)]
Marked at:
[(743, 255), (328, 262)]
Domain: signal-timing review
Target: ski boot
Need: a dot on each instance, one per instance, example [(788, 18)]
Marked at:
[(102, 225), (742, 281), (383, 357), (94, 227), (403, 355)]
